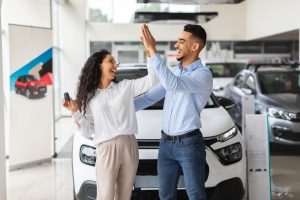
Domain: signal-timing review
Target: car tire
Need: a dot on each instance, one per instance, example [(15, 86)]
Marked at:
[(28, 94), (17, 90)]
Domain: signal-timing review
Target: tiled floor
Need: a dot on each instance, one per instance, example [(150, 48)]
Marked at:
[(53, 181), (285, 161), (286, 177), (47, 181)]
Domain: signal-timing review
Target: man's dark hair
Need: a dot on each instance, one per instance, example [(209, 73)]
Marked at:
[(197, 31)]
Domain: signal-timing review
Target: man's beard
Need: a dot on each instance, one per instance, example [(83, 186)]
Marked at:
[(180, 58)]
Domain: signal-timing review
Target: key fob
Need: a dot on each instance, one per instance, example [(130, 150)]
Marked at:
[(67, 96)]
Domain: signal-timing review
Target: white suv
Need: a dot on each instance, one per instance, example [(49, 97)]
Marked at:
[(225, 153)]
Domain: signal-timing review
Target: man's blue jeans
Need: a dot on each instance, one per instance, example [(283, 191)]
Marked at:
[(189, 155)]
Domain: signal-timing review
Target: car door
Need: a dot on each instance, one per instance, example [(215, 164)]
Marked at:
[(235, 93), (251, 88), (23, 84)]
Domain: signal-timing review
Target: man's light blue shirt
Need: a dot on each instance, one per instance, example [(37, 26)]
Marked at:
[(186, 92)]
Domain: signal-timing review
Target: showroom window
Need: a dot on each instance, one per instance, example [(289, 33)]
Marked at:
[(97, 46), (100, 11), (112, 11), (128, 56)]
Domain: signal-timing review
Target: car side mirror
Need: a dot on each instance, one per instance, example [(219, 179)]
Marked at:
[(248, 91), (218, 88), (226, 103)]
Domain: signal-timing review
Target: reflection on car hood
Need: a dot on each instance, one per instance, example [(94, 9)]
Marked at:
[(221, 82), (215, 121), (287, 101), (38, 82)]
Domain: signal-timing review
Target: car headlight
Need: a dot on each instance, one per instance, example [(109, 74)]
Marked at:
[(88, 155), (227, 135), (273, 112), (230, 154)]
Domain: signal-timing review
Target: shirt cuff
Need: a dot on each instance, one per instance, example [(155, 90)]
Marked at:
[(77, 115), (154, 60)]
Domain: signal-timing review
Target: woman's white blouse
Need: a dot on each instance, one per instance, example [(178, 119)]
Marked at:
[(111, 112)]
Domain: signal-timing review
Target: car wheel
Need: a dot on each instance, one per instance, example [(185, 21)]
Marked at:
[(28, 93), (17, 90)]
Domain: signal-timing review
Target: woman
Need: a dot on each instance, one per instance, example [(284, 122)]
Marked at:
[(106, 109)]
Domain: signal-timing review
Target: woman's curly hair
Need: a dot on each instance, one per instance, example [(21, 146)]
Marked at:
[(89, 79)]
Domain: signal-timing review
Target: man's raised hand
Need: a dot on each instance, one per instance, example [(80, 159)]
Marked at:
[(148, 40)]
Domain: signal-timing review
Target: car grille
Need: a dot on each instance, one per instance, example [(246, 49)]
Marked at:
[(297, 119), (42, 88), (147, 167), (286, 134), (154, 143), (148, 144)]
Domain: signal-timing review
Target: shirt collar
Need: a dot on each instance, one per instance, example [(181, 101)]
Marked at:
[(192, 66), (111, 85)]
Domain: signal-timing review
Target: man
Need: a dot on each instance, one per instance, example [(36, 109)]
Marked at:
[(186, 89)]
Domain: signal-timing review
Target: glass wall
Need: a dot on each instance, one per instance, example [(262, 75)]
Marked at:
[(112, 11)]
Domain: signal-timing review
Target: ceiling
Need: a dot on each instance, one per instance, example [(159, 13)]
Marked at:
[(191, 1), (201, 17), (290, 35), (178, 17), (166, 17)]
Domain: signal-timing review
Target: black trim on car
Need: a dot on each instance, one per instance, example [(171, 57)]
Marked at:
[(148, 143), (88, 191), (230, 189)]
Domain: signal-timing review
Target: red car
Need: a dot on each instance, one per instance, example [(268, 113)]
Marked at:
[(30, 86)]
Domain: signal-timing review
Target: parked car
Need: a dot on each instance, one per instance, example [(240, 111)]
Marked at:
[(276, 88), (225, 152), (223, 72), (30, 86)]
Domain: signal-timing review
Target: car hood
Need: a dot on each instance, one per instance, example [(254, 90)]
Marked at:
[(287, 101), (221, 82), (215, 121), (38, 82)]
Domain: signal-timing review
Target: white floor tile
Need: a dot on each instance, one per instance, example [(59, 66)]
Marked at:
[(48, 181)]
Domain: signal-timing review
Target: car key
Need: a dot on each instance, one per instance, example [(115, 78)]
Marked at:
[(67, 96)]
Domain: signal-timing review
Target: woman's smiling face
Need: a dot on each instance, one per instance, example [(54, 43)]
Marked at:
[(108, 67)]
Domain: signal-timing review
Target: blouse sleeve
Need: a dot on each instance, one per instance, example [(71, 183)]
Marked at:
[(141, 85), (85, 123)]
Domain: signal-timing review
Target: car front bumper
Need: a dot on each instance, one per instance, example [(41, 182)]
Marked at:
[(284, 131), (231, 189)]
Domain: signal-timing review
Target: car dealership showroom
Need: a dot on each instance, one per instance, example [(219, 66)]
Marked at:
[(52, 131)]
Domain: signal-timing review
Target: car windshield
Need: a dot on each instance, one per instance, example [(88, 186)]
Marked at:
[(225, 69), (30, 78), (138, 73), (280, 82)]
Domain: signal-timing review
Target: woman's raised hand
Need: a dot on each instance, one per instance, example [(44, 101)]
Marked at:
[(70, 105)]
